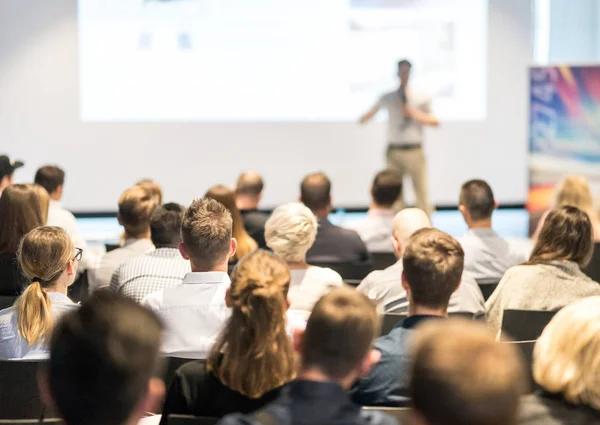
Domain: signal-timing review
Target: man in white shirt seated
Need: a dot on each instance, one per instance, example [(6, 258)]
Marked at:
[(135, 207), (487, 255), (376, 228), (385, 288), (195, 312), (159, 269), (52, 178)]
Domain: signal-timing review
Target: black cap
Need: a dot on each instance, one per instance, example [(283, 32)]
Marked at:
[(8, 166)]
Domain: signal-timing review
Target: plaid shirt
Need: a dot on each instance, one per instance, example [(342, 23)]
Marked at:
[(157, 270)]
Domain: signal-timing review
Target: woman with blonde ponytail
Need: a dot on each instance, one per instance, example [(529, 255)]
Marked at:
[(49, 260), (253, 357)]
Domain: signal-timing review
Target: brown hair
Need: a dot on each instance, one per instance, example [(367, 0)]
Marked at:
[(224, 195), (154, 189), (315, 191), (206, 232), (135, 207), (478, 379), (478, 199), (50, 177), (43, 255), (386, 188), (433, 264), (566, 235), (19, 206), (249, 183), (257, 352), (44, 199), (340, 332)]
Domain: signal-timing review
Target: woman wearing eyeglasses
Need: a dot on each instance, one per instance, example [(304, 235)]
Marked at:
[(49, 260)]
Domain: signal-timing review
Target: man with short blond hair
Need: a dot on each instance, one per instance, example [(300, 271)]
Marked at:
[(195, 311), (248, 193)]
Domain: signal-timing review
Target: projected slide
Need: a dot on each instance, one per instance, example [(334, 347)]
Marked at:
[(276, 60)]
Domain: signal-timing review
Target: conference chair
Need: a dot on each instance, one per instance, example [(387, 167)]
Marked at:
[(79, 290), (348, 271), (526, 349), (593, 268), (389, 320), (401, 414), (382, 260), (487, 289), (55, 421), (7, 301), (525, 325), (191, 420), (171, 366), (19, 395)]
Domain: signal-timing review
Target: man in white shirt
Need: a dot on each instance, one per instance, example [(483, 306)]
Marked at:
[(135, 208), (376, 229), (195, 312), (487, 255), (7, 169), (408, 111)]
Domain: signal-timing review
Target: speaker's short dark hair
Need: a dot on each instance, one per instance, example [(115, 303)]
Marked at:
[(386, 188), (478, 198), (50, 177), (165, 225), (404, 62), (315, 191), (102, 357)]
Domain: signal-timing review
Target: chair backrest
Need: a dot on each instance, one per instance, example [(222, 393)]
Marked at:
[(19, 394), (525, 325), (7, 301), (356, 271), (191, 420), (487, 289), (389, 320), (54, 421), (593, 268), (382, 260), (526, 349), (171, 366), (401, 414)]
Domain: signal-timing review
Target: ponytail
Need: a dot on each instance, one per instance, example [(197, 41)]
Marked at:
[(34, 313)]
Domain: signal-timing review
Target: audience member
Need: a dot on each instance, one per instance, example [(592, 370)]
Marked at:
[(335, 350), (462, 376), (159, 269), (566, 364), (376, 228), (385, 287), (552, 278), (135, 208), (154, 188), (432, 268), (49, 260), (245, 244), (333, 243), (7, 170), (253, 357), (290, 232), (44, 199), (248, 193), (104, 363), (487, 255), (574, 191), (19, 213), (195, 311), (52, 179)]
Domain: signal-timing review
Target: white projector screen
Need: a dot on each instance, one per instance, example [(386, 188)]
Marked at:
[(276, 60)]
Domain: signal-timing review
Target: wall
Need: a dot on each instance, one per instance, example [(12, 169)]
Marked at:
[(39, 122)]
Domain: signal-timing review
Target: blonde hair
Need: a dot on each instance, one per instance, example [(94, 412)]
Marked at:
[(153, 187), (44, 199), (291, 231), (135, 207), (574, 191), (566, 357), (257, 352), (43, 255)]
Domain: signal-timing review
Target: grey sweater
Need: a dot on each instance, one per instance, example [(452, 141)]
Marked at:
[(548, 286)]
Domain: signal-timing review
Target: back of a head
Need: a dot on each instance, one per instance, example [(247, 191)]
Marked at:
[(433, 264), (462, 376), (339, 333), (249, 183), (566, 358), (257, 352), (574, 191), (315, 191), (407, 222), (566, 235), (50, 177), (206, 232), (19, 206), (135, 208), (165, 225), (478, 199), (291, 231), (154, 188), (386, 188), (102, 357)]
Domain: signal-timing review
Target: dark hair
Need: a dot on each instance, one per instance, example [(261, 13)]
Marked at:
[(135, 207), (386, 188), (478, 199), (249, 183), (315, 191), (567, 234), (50, 177), (165, 225), (433, 264), (20, 212), (404, 62), (102, 357)]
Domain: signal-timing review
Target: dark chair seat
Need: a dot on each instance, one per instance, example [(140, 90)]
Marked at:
[(171, 366), (191, 420), (525, 325), (19, 394), (351, 271), (389, 320)]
